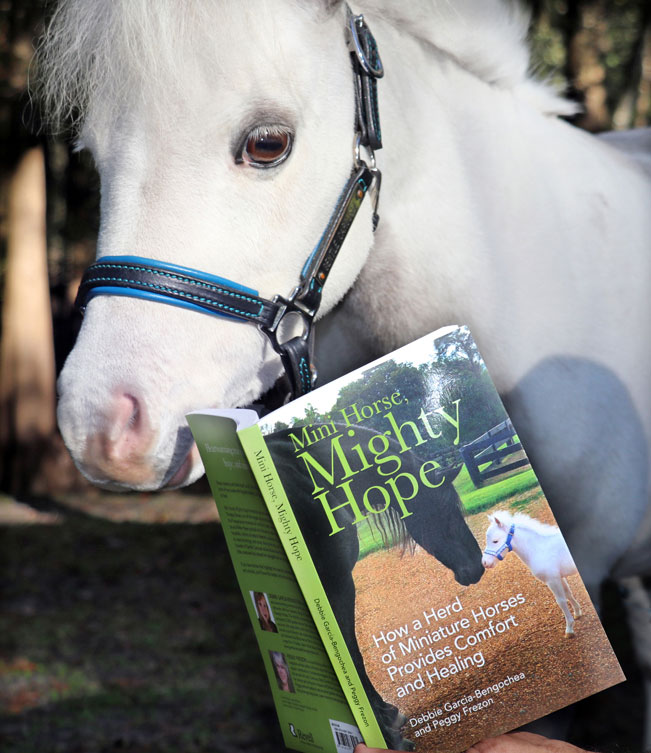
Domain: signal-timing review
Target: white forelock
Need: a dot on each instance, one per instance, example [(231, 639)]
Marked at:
[(105, 52), (101, 51)]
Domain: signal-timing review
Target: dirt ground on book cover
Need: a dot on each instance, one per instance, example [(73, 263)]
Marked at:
[(394, 589)]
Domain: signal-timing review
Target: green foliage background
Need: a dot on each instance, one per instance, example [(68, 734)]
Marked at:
[(454, 371)]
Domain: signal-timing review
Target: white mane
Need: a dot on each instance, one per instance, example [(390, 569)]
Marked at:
[(488, 38), (520, 519), (98, 51)]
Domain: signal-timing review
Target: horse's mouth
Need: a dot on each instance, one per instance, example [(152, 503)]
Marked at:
[(183, 472), (466, 579)]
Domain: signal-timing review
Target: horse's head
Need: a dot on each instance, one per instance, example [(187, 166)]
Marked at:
[(440, 527), (497, 541), (223, 135), (445, 534)]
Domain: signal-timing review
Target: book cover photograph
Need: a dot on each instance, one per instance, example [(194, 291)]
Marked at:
[(456, 594), (402, 569)]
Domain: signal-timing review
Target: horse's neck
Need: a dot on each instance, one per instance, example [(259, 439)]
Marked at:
[(484, 198), (524, 543), (485, 36)]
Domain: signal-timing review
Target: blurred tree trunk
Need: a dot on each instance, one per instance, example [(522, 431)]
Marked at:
[(643, 109), (606, 48), (633, 107), (586, 35), (27, 379), (33, 459)]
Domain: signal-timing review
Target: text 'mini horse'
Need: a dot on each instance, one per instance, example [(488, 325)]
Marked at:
[(222, 132), (542, 549)]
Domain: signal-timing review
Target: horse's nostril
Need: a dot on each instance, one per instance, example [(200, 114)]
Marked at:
[(127, 433), (120, 449), (125, 418)]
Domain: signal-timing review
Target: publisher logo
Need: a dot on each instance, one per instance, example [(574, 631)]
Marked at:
[(306, 737)]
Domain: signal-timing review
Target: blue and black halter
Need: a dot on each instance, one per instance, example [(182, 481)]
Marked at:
[(158, 281), (506, 545)]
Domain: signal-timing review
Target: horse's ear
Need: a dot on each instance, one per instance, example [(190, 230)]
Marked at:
[(497, 521), (452, 473)]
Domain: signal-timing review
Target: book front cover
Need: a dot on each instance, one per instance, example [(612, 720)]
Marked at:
[(452, 585)]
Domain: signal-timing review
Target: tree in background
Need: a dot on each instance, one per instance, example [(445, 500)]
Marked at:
[(603, 49), (27, 397), (381, 382), (458, 372), (454, 379)]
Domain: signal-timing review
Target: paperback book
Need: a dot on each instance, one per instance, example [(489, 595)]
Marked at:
[(403, 572)]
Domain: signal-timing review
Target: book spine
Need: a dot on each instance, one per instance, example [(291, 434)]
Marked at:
[(282, 515)]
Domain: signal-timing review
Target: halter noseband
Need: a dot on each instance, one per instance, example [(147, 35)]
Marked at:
[(158, 281), (506, 545)]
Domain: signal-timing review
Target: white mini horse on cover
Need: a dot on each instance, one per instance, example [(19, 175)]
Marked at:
[(543, 550)]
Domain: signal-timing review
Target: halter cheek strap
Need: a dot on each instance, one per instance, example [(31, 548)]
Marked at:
[(506, 545), (161, 282)]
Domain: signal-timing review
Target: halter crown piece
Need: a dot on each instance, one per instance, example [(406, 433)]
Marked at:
[(158, 281)]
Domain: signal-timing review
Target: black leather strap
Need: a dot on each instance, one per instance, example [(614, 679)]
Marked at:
[(159, 279), (367, 67), (296, 353), (317, 268), (297, 359)]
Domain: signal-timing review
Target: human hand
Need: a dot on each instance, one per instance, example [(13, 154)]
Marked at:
[(514, 742)]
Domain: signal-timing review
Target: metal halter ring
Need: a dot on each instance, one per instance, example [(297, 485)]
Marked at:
[(377, 71)]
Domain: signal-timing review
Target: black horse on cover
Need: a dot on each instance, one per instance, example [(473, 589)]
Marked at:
[(437, 525)]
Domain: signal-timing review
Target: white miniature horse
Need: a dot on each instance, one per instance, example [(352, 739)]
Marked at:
[(543, 550), (494, 213)]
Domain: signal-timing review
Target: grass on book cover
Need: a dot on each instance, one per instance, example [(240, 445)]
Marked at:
[(452, 584)]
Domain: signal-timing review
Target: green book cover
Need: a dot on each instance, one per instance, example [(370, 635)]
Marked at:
[(417, 532), (313, 712)]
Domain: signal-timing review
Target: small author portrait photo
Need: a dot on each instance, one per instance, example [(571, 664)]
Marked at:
[(263, 610), (281, 670)]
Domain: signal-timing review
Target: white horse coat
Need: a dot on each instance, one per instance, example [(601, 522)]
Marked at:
[(543, 550), (494, 213)]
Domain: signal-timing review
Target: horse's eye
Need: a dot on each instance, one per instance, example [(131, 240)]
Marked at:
[(265, 146)]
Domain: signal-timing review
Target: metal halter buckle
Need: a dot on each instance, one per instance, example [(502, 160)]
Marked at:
[(287, 307), (358, 161)]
